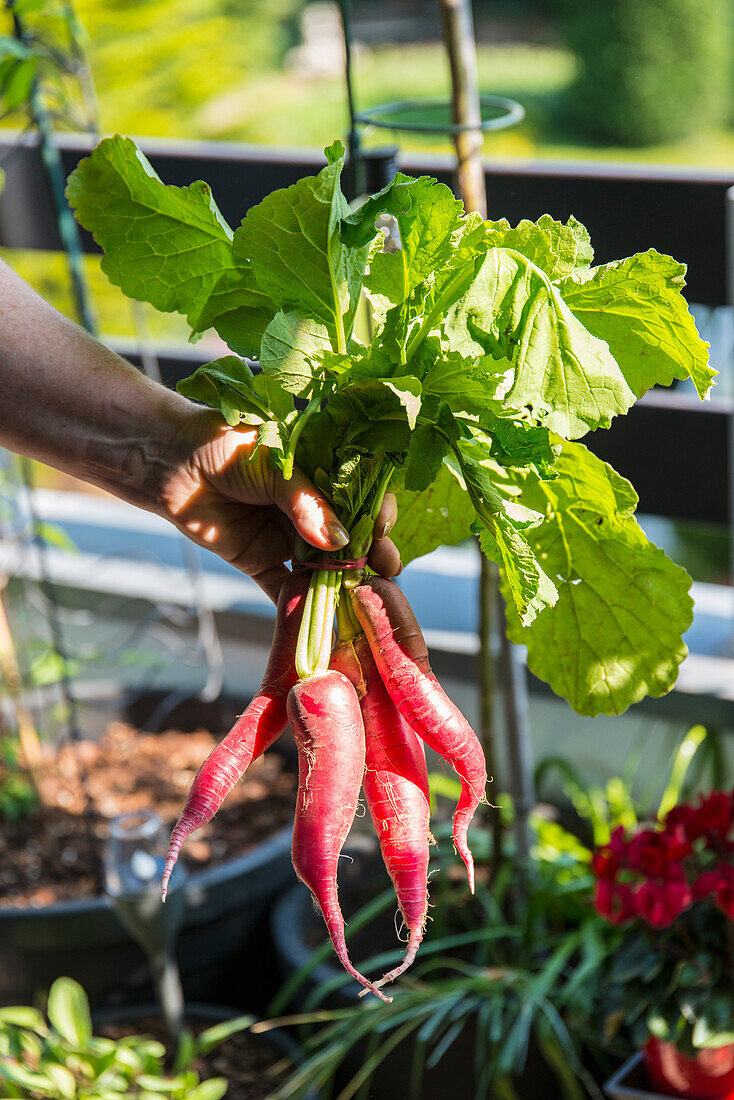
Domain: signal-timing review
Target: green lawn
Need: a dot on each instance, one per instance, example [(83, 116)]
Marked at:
[(283, 108)]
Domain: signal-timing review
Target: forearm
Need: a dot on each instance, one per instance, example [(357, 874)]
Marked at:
[(71, 402)]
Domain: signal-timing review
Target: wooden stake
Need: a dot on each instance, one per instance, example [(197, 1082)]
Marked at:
[(458, 32), (27, 733)]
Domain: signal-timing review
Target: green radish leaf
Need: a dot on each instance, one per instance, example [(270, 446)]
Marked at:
[(516, 443), (426, 453), (555, 248), (237, 309), (291, 349), (358, 228), (68, 1011), (428, 227), (377, 414), (637, 306), (169, 246), (291, 239), (440, 515), (502, 541), (160, 1085), (468, 385), (564, 377), (273, 435), (615, 634), (229, 385)]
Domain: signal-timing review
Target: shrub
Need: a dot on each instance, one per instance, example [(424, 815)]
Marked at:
[(649, 70)]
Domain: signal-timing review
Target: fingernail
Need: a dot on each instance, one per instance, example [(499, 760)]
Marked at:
[(334, 533), (384, 529), (399, 569)]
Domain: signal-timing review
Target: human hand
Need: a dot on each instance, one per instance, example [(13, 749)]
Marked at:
[(247, 513)]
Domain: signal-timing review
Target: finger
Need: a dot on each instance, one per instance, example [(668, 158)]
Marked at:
[(310, 513), (384, 558), (271, 580), (387, 516)]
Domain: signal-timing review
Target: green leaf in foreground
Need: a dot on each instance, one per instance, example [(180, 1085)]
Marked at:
[(440, 515), (637, 306), (564, 377), (427, 230), (291, 239), (228, 384), (556, 249), (615, 634), (291, 348), (68, 1011), (166, 245), (503, 542)]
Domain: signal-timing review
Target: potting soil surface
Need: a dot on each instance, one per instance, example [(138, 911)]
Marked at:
[(246, 1062), (54, 854)]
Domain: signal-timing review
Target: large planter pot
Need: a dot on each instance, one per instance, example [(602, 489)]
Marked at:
[(655, 1074), (710, 1074), (225, 906), (292, 920)]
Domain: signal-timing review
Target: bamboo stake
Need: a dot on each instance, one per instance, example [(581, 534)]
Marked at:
[(458, 29), (27, 733)]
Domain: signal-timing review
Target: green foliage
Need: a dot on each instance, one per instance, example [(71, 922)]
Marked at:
[(63, 1060), (651, 70), (651, 988), (480, 371), (18, 794), (156, 62), (599, 557), (497, 983)]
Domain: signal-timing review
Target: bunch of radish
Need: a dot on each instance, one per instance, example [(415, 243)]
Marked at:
[(360, 719), (459, 370)]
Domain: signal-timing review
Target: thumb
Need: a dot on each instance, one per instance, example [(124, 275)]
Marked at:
[(310, 513)]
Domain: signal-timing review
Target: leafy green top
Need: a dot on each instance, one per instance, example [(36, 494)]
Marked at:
[(485, 353)]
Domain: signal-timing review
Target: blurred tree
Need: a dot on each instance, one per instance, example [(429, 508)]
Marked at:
[(650, 70), (158, 62)]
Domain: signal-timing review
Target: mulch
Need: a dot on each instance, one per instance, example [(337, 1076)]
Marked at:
[(54, 855)]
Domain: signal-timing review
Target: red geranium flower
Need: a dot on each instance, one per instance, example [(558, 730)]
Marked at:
[(614, 901), (659, 903), (705, 885), (648, 853), (725, 889)]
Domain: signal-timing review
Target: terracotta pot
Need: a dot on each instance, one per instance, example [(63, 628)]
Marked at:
[(710, 1074)]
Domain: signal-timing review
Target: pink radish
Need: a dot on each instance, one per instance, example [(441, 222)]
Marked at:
[(396, 789), (253, 732), (327, 725), (400, 654)]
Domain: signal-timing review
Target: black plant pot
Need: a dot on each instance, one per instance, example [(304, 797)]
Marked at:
[(292, 919), (226, 909)]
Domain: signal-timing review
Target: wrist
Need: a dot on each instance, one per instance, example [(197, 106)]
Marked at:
[(135, 461)]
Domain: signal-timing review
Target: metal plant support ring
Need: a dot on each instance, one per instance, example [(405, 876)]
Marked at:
[(388, 116)]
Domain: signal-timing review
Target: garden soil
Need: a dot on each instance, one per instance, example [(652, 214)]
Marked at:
[(54, 854)]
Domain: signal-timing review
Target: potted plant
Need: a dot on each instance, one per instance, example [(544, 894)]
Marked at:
[(670, 889), (61, 1057), (498, 1003), (55, 916)]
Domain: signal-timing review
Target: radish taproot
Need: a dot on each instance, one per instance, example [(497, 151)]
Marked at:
[(254, 731), (396, 791), (327, 725), (401, 656)]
